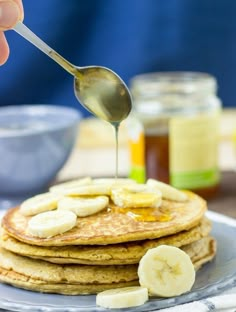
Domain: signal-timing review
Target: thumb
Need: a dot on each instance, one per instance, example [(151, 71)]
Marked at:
[(9, 14)]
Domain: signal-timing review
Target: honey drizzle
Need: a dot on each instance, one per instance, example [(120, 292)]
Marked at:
[(116, 127), (143, 214)]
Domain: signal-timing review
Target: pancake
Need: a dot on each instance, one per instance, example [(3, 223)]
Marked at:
[(123, 253), (201, 251), (73, 279), (112, 226), (25, 282)]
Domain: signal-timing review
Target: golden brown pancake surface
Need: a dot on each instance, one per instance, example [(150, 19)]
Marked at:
[(123, 253), (112, 227)]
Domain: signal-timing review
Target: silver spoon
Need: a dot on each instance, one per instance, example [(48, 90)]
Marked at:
[(98, 89)]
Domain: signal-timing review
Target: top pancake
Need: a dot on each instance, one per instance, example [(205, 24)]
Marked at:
[(123, 253), (110, 226)]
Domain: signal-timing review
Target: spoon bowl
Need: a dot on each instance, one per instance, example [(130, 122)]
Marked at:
[(98, 89), (103, 93)]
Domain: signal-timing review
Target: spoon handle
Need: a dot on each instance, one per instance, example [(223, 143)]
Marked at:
[(26, 33)]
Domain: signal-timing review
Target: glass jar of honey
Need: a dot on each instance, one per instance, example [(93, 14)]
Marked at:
[(179, 112)]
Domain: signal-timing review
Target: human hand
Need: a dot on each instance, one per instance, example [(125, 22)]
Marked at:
[(11, 11)]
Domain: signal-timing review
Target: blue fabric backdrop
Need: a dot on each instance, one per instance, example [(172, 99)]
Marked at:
[(129, 36)]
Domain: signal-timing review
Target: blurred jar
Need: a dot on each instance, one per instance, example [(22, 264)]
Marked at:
[(180, 114)]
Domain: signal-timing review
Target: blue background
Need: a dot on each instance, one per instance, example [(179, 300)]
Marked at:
[(129, 36)]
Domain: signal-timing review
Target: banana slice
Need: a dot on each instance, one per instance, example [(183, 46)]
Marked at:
[(83, 207), (89, 187), (114, 182), (136, 196), (88, 190), (51, 223), (168, 191), (39, 203), (122, 297), (70, 184), (166, 271)]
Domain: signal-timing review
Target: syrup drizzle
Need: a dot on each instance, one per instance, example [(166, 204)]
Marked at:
[(146, 214)]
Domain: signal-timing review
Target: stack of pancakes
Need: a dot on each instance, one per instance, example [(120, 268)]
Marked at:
[(103, 250)]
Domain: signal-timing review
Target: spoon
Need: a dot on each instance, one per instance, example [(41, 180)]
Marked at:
[(100, 90)]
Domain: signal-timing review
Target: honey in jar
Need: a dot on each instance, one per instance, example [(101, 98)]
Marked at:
[(179, 112)]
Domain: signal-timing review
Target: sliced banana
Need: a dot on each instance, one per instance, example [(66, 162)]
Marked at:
[(166, 271), (51, 223), (88, 190), (136, 196), (114, 181), (59, 188), (168, 191), (122, 297), (83, 207), (39, 203)]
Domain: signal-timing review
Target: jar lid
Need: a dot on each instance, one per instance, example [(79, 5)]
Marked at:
[(160, 83)]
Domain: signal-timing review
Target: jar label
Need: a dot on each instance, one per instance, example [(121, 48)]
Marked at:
[(193, 146), (136, 149)]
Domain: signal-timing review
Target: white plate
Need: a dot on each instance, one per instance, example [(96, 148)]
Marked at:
[(212, 279)]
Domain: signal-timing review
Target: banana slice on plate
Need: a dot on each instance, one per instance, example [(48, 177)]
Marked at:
[(83, 207), (51, 223), (168, 191), (136, 196), (59, 188), (122, 297), (166, 271), (39, 203)]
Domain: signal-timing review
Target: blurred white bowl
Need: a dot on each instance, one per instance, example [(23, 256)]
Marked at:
[(35, 142)]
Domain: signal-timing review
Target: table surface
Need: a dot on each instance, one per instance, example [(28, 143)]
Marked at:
[(225, 201)]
